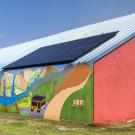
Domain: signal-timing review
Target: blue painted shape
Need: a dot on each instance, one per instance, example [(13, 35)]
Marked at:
[(8, 101)]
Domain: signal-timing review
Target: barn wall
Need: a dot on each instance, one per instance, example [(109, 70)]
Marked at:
[(65, 87), (114, 85)]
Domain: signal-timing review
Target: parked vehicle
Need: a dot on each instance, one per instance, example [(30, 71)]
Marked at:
[(38, 103)]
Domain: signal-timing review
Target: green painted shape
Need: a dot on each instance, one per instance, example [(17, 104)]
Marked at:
[(11, 110), (25, 102), (47, 89), (2, 108), (86, 115)]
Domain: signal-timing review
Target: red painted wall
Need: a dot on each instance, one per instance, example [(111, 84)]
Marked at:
[(114, 85)]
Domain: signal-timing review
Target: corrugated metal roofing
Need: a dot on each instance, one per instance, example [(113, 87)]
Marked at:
[(62, 53), (125, 25)]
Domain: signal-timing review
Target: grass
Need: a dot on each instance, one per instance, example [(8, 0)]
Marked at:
[(12, 124)]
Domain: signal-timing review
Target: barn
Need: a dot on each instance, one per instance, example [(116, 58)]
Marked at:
[(84, 75)]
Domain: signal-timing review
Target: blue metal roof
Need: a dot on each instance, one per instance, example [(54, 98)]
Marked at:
[(61, 53), (125, 25)]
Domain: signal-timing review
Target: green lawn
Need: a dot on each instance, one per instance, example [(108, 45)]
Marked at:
[(12, 124)]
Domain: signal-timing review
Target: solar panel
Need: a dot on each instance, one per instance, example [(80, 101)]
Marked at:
[(62, 53)]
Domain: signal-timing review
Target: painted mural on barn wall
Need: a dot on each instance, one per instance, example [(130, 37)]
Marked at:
[(62, 92)]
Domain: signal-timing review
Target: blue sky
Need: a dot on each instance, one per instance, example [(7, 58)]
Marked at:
[(25, 20)]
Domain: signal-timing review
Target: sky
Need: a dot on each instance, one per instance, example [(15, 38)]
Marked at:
[(25, 20)]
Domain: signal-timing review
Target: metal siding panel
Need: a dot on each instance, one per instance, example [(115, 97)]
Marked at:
[(114, 85)]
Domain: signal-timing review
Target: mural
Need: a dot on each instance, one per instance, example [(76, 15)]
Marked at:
[(62, 92)]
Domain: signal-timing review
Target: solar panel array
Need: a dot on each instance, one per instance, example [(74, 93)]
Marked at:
[(60, 53)]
